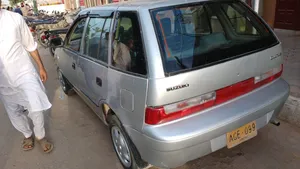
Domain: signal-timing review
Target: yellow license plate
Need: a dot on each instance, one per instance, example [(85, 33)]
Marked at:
[(241, 134)]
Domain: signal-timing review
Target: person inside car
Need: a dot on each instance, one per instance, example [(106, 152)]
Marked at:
[(121, 54)]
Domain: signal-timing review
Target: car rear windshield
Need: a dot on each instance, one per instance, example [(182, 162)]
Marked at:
[(193, 36)]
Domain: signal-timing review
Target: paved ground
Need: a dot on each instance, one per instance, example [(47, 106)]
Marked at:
[(291, 50), (82, 141), (273, 148)]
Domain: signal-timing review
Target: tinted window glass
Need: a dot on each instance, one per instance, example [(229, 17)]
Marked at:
[(128, 52), (214, 22), (75, 37), (126, 23), (92, 37), (194, 36)]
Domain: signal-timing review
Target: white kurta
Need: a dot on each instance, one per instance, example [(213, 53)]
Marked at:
[(19, 81)]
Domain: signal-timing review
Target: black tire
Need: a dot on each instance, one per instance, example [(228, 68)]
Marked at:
[(64, 83), (135, 159), (52, 50)]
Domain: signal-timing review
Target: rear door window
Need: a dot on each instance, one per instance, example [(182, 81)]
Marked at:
[(199, 35), (128, 49)]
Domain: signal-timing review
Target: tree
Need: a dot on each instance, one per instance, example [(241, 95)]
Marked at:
[(14, 2)]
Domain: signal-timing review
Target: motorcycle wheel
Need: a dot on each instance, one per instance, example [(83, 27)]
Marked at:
[(44, 42)]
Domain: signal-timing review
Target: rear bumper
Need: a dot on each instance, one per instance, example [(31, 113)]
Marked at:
[(173, 144)]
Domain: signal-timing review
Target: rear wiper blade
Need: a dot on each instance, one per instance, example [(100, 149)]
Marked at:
[(180, 63)]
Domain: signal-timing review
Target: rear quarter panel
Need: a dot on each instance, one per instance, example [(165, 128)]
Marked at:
[(127, 97)]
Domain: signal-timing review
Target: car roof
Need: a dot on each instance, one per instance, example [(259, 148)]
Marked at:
[(146, 4), (151, 3)]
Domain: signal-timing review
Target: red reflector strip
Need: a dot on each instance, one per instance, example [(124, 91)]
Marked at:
[(158, 115), (241, 88), (234, 91)]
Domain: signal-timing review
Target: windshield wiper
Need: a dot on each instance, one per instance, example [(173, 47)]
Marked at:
[(179, 62)]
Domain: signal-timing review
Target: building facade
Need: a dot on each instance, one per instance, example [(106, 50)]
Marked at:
[(280, 14), (287, 14), (74, 4)]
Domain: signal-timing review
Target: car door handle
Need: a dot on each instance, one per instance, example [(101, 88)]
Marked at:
[(98, 81), (73, 66)]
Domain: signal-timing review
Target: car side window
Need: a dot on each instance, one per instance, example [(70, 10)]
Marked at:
[(128, 50), (74, 39)]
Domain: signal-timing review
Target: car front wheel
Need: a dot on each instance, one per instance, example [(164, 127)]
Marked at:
[(65, 85)]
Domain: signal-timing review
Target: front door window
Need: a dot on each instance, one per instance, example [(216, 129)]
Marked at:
[(74, 39)]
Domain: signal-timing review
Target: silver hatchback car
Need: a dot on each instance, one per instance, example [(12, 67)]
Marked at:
[(174, 80)]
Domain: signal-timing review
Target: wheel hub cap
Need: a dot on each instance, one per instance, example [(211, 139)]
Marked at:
[(121, 146)]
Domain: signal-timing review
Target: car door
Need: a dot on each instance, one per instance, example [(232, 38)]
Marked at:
[(69, 58), (128, 70), (92, 63)]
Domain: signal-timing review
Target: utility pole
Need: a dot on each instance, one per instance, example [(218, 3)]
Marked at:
[(35, 9), (256, 6)]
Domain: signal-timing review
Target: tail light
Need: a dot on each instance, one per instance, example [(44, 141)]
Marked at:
[(178, 110), (268, 76), (158, 115)]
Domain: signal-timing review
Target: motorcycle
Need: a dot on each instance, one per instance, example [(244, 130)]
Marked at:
[(48, 29), (33, 23), (52, 38)]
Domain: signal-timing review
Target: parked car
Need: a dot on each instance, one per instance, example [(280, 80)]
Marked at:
[(174, 80)]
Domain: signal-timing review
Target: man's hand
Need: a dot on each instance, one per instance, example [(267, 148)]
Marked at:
[(36, 57), (43, 75)]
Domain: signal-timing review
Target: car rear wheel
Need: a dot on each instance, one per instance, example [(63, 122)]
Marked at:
[(65, 85), (124, 148)]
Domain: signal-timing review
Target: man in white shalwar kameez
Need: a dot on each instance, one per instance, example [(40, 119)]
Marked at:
[(21, 86)]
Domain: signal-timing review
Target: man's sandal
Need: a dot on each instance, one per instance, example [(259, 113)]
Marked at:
[(28, 143), (46, 146)]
